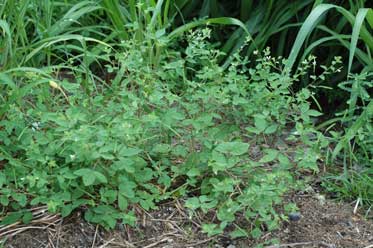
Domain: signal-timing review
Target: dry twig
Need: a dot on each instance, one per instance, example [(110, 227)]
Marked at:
[(157, 243), (94, 237)]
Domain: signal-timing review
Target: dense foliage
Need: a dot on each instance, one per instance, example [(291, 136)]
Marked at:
[(107, 105)]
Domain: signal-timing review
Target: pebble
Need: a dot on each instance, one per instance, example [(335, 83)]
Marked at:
[(231, 246), (294, 216), (170, 240)]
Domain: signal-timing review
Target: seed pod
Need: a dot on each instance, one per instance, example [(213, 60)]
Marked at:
[(53, 84)]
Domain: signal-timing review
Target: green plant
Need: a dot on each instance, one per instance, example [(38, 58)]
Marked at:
[(187, 129), (36, 32), (359, 30), (148, 22), (354, 144), (104, 105)]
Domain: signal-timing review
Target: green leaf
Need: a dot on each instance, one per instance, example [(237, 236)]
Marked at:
[(126, 190), (269, 156), (88, 176), (2, 179), (234, 148), (147, 204), (211, 229), (82, 172), (238, 233), (314, 113), (124, 164), (66, 210), (27, 217), (20, 198), (108, 196), (100, 177), (284, 161), (218, 163), (4, 200), (11, 218), (193, 172), (129, 218), (370, 17), (271, 129), (180, 150), (52, 206), (161, 148), (122, 202), (206, 206), (252, 130), (192, 203), (359, 19), (256, 233), (260, 123), (128, 151), (225, 214)]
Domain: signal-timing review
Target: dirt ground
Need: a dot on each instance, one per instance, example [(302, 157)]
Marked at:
[(322, 223)]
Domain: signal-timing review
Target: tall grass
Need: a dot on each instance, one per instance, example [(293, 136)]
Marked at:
[(359, 31), (354, 145), (30, 27), (270, 23), (150, 23)]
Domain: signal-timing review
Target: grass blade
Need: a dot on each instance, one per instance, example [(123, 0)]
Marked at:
[(220, 20), (7, 50), (352, 131), (72, 16), (245, 9), (355, 34), (62, 38), (116, 16), (304, 31), (370, 17), (313, 19), (156, 15)]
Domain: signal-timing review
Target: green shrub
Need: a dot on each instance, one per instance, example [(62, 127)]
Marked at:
[(188, 129)]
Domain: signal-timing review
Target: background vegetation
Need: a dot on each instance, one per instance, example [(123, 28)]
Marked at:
[(110, 104)]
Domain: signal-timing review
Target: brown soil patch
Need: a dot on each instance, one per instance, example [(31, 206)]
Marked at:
[(325, 224), (322, 224)]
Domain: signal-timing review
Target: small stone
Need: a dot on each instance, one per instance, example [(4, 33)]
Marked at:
[(320, 198), (231, 246), (294, 216)]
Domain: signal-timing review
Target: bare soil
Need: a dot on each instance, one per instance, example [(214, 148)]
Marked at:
[(322, 223)]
